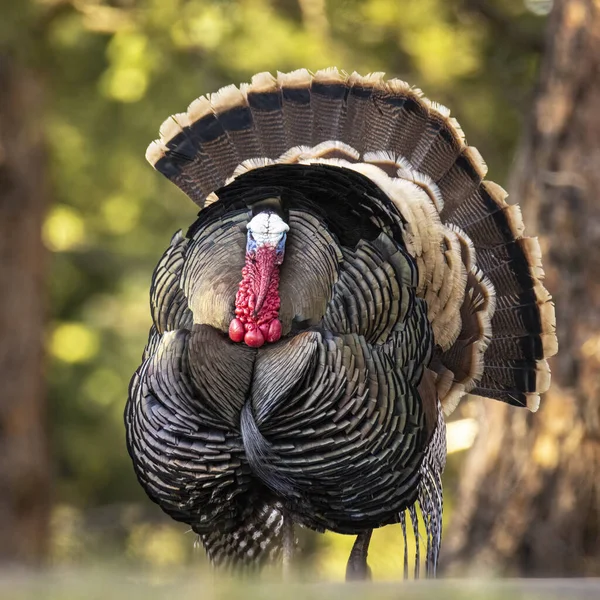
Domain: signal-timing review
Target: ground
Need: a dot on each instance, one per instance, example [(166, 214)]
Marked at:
[(101, 584)]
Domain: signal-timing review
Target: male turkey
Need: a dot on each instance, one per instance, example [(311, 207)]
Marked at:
[(349, 278)]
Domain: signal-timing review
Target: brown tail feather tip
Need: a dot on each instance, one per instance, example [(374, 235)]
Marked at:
[(156, 150), (227, 98), (199, 108), (476, 160), (542, 385), (548, 336), (299, 78), (330, 75), (261, 83)]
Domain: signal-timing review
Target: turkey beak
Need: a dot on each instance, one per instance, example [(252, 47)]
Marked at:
[(266, 257)]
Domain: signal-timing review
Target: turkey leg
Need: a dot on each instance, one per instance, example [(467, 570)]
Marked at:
[(357, 568)]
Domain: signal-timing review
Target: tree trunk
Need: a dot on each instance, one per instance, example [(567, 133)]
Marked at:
[(24, 457), (529, 500)]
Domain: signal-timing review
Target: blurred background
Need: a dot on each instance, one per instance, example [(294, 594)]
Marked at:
[(84, 86)]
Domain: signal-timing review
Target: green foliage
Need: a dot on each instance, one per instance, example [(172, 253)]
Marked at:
[(114, 70)]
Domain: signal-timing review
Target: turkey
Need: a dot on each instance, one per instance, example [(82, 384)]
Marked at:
[(349, 278)]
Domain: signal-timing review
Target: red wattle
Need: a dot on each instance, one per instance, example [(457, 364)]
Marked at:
[(257, 300), (274, 332), (254, 338), (236, 330)]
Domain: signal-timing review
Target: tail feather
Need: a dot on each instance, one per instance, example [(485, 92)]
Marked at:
[(411, 118), (328, 97), (519, 383), (231, 107), (207, 132), (460, 186), (266, 101), (374, 115), (439, 146), (297, 111), (359, 94)]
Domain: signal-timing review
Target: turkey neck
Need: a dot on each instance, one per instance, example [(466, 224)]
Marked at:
[(257, 300)]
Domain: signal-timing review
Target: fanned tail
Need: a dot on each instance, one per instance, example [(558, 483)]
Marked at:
[(484, 290)]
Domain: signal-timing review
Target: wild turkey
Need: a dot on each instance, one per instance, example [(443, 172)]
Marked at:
[(350, 276)]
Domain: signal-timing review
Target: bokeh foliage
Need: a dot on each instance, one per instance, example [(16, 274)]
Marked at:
[(113, 71)]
